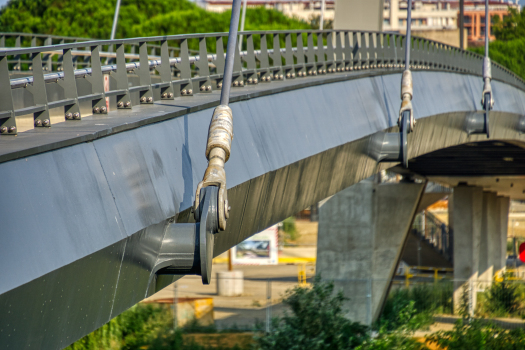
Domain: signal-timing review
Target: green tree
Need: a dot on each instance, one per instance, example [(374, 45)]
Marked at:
[(511, 27), (93, 18)]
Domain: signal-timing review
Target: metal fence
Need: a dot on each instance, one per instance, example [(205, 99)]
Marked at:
[(448, 300), (174, 71)]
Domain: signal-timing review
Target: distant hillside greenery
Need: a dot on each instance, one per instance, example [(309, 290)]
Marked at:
[(138, 18), (509, 47)]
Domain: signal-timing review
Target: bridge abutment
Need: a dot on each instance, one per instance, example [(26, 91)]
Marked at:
[(362, 231)]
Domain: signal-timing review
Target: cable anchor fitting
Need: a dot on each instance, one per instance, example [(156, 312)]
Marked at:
[(220, 136)]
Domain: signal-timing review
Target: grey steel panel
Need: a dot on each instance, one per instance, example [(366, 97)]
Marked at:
[(55, 208), (305, 151), (142, 250), (60, 307)]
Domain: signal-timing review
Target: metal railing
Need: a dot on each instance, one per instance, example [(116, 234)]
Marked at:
[(435, 232), (80, 58), (269, 56)]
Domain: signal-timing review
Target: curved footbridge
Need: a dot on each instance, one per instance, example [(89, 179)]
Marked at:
[(86, 204)]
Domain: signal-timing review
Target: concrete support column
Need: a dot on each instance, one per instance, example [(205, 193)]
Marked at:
[(467, 214), (489, 238), (500, 258), (362, 232)]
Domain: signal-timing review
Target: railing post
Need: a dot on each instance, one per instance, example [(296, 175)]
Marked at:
[(121, 76), (264, 61), (238, 75), (380, 50), (310, 55), (251, 65), (219, 61), (38, 90), (97, 81), (146, 96), (289, 68), (371, 50), (348, 52), (339, 59), (321, 65), (186, 89), (69, 84), (204, 69), (276, 58), (330, 59), (299, 54), (7, 110), (357, 50), (166, 91)]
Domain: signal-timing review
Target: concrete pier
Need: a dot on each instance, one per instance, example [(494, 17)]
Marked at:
[(500, 258), (362, 231), (489, 238), (467, 217)]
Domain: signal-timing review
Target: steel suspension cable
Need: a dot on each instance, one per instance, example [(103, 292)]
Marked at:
[(230, 52), (220, 132), (408, 35)]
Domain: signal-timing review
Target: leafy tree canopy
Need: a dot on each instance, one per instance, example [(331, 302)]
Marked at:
[(511, 27), (93, 18)]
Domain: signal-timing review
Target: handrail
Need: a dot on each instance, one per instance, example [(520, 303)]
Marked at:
[(315, 53)]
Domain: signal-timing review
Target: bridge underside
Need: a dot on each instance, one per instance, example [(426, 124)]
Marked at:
[(84, 221)]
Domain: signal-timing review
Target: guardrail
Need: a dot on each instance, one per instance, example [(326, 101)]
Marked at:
[(263, 61)]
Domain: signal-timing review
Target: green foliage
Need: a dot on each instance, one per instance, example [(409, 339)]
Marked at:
[(315, 19), (419, 302), (138, 326), (511, 27), (509, 47), (289, 229), (392, 341), (145, 326), (138, 18), (316, 322), (502, 299), (510, 54), (475, 335)]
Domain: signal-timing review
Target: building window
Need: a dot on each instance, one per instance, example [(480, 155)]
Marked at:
[(467, 19), (482, 19), (469, 31), (401, 22), (386, 22)]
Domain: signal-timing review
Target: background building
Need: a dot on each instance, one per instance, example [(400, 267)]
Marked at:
[(475, 22), (301, 9)]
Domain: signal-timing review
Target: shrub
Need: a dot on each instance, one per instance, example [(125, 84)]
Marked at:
[(315, 321), (474, 335), (421, 302), (289, 229), (502, 299)]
